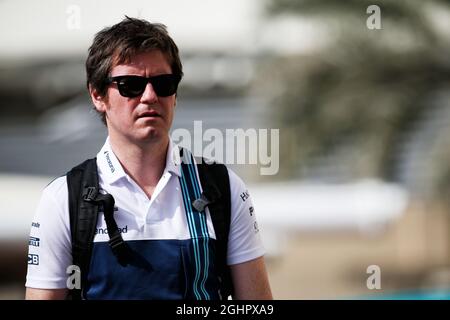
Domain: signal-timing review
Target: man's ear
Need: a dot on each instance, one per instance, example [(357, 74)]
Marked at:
[(97, 99)]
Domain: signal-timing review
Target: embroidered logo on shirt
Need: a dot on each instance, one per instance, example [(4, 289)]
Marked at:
[(33, 259), (255, 227), (105, 230), (34, 241), (108, 159), (35, 224), (244, 195)]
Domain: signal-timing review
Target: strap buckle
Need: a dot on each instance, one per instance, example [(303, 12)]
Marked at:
[(116, 241), (200, 203), (120, 249), (90, 194)]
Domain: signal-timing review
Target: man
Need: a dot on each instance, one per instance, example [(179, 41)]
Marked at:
[(133, 70)]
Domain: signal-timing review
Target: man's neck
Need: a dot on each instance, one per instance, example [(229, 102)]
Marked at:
[(144, 163)]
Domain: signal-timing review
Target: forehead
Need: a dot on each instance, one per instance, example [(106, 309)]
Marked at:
[(143, 63)]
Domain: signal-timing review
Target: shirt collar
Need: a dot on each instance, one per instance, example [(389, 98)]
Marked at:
[(108, 164), (173, 158), (112, 170)]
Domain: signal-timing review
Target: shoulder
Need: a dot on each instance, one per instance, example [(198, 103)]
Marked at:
[(219, 170), (235, 180), (237, 185), (240, 200), (56, 188), (52, 210), (55, 195)]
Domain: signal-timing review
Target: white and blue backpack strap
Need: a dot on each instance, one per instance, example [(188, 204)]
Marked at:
[(194, 204)]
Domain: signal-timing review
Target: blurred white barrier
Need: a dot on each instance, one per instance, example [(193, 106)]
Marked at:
[(365, 206)]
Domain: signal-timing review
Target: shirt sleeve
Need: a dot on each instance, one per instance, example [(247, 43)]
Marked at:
[(244, 241), (49, 249)]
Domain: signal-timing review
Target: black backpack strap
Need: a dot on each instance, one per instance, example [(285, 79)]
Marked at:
[(83, 217), (118, 246), (216, 195), (84, 201)]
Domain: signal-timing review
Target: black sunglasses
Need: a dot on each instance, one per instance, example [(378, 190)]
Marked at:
[(133, 86)]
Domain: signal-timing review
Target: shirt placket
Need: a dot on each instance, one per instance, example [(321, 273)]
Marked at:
[(142, 202), (153, 209)]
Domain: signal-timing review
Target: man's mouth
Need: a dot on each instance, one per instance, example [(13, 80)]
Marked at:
[(149, 114)]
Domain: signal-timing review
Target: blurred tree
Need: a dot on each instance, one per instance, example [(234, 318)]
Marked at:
[(352, 106)]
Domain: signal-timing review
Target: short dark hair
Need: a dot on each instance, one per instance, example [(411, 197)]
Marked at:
[(119, 43)]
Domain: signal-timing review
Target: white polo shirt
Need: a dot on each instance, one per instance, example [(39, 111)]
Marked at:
[(162, 217)]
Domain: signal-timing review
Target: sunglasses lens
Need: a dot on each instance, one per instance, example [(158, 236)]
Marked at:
[(131, 86), (165, 85)]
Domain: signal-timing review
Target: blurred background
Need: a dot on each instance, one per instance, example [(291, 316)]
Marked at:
[(360, 94)]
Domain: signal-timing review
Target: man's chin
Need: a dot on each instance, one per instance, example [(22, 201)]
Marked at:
[(151, 135)]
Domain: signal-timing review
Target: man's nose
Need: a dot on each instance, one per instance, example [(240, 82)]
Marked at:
[(149, 95)]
